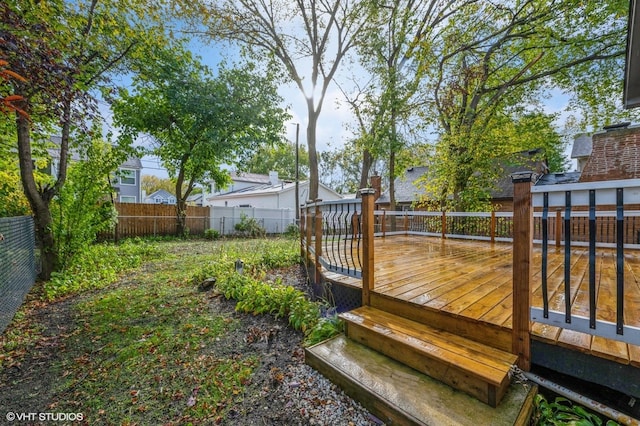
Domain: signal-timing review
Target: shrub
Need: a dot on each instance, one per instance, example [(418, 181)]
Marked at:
[(211, 234), (292, 231), (249, 227)]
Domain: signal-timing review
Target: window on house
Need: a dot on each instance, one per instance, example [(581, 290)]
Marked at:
[(127, 199), (127, 177)]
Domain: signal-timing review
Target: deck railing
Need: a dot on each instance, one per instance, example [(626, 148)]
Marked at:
[(339, 236), (331, 234), (603, 212)]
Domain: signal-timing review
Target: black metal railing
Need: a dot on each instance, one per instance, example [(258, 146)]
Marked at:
[(339, 244), (593, 214)]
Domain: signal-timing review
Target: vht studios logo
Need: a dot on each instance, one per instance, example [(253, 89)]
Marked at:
[(44, 417)]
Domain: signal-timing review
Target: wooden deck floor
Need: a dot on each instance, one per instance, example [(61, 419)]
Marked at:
[(473, 279)]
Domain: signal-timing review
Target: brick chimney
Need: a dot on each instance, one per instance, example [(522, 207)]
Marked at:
[(615, 155), (376, 184)]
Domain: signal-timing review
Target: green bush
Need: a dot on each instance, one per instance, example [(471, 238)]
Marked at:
[(249, 227), (211, 234), (292, 231), (97, 266)]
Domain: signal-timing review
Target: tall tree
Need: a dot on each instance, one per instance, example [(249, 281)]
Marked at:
[(493, 62), (395, 30), (62, 50), (309, 38), (280, 158), (197, 122)]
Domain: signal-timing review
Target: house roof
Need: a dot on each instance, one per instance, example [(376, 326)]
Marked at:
[(522, 161), (265, 190), (250, 177), (558, 178), (582, 146), (406, 188), (162, 194), (132, 163)]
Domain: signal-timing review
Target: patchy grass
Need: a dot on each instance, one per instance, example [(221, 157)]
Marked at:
[(143, 351)]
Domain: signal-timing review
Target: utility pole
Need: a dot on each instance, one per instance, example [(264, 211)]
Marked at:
[(297, 175)]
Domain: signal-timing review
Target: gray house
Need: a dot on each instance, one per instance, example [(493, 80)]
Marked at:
[(126, 183)]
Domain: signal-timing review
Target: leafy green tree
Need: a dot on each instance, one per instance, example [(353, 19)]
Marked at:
[(84, 208), (492, 64), (151, 184), (198, 122), (387, 49), (309, 39), (280, 158), (63, 50)]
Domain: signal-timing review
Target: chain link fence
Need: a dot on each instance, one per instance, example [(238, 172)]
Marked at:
[(17, 265)]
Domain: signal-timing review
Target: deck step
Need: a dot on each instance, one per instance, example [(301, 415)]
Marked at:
[(400, 395), (471, 367)]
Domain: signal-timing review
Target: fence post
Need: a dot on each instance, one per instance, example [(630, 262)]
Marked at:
[(444, 224), (522, 268), (406, 223), (384, 223), (318, 245), (493, 227), (368, 195), (303, 232)]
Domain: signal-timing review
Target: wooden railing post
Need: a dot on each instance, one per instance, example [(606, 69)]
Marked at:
[(522, 267), (493, 227), (308, 231), (303, 231), (368, 195), (384, 223), (444, 224), (318, 245), (558, 227)]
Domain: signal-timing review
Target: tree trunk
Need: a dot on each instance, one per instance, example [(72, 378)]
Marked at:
[(367, 162), (313, 154), (181, 218), (39, 203)]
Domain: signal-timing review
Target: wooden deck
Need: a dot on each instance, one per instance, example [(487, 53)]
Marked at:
[(473, 279)]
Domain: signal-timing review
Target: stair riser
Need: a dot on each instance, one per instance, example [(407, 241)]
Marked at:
[(485, 333), (445, 372), (389, 414)]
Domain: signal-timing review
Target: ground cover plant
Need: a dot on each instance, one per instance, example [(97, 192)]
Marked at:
[(147, 349)]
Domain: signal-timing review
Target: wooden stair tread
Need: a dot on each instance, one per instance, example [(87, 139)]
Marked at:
[(487, 363), (398, 394)]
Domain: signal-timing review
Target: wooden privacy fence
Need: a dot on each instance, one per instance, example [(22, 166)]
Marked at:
[(143, 220)]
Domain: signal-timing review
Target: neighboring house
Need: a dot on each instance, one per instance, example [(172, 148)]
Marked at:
[(408, 191), (126, 183), (160, 197), (615, 154), (241, 180), (195, 200), (272, 194), (581, 150)]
